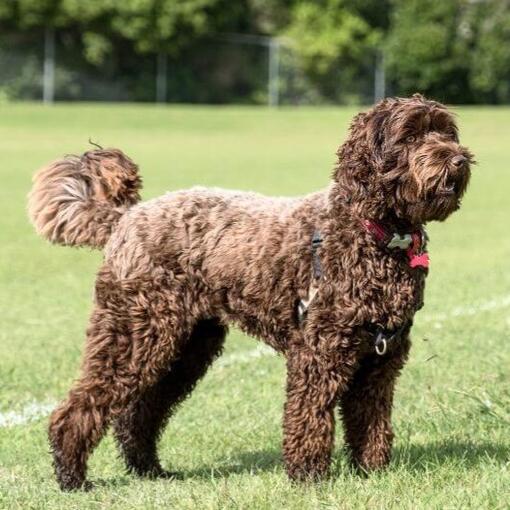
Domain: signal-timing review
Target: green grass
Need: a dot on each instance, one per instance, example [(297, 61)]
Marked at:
[(452, 410)]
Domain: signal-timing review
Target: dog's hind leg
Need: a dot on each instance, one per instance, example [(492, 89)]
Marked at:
[(134, 333), (78, 424), (139, 427), (366, 408)]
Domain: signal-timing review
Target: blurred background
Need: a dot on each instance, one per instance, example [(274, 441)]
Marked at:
[(254, 51)]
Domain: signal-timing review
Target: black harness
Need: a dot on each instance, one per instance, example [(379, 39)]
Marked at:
[(383, 337), (316, 260), (304, 304)]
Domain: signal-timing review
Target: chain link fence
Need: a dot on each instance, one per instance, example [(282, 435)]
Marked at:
[(239, 69)]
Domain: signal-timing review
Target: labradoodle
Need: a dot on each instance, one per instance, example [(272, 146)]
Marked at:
[(331, 281)]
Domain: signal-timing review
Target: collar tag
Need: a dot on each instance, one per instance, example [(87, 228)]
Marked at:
[(402, 242), (421, 260), (416, 253), (414, 243)]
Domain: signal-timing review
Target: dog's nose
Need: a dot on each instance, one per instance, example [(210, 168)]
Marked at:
[(458, 160)]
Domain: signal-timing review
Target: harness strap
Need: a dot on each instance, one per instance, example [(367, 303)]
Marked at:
[(316, 261), (317, 271), (382, 337)]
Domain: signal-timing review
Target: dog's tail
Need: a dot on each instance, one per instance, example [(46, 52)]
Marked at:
[(78, 200)]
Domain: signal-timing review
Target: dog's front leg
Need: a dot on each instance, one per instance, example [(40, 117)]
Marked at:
[(366, 407), (312, 391)]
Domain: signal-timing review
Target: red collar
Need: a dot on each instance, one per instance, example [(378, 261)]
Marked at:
[(414, 243)]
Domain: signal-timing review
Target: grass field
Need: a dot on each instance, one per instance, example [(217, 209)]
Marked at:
[(452, 411)]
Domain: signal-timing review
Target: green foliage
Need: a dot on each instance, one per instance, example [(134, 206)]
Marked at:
[(331, 41), (457, 50), (150, 25), (325, 34), (490, 58), (270, 16), (454, 50), (426, 48), (96, 47), (154, 25)]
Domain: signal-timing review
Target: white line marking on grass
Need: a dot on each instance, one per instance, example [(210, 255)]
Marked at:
[(467, 311), (30, 412), (36, 410), (245, 356)]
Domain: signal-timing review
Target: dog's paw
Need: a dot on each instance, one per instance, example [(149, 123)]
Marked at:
[(74, 486), (369, 462), (310, 474), (168, 475)]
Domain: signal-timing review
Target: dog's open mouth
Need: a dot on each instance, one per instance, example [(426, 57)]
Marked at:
[(449, 189), (451, 186)]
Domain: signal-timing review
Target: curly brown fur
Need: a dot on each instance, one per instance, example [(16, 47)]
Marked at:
[(78, 200), (179, 268), (139, 427)]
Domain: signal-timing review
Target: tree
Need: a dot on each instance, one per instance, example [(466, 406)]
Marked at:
[(454, 50), (149, 25), (427, 49), (489, 61), (335, 44)]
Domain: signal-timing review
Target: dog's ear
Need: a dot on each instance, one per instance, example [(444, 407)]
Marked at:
[(352, 154), (358, 122), (361, 160), (362, 153), (353, 168), (370, 131), (376, 136)]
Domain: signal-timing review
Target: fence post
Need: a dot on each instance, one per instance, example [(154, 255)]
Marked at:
[(274, 71), (49, 66), (161, 79), (379, 78)]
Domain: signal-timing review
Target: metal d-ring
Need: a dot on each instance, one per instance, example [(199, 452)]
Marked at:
[(381, 345)]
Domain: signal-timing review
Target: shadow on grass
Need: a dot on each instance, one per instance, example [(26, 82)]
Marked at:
[(420, 457), (413, 458), (110, 483), (244, 462)]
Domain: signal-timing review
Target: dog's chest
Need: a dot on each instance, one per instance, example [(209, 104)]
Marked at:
[(394, 293), (378, 291)]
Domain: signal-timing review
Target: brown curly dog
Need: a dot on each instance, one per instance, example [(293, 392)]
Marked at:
[(331, 280)]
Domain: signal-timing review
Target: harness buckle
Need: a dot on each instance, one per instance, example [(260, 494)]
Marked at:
[(305, 303)]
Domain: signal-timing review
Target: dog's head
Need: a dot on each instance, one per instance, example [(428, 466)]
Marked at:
[(403, 159)]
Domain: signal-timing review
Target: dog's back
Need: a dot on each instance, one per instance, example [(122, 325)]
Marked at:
[(236, 247), (214, 233)]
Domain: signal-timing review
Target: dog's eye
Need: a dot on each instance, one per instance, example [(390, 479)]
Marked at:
[(410, 139)]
